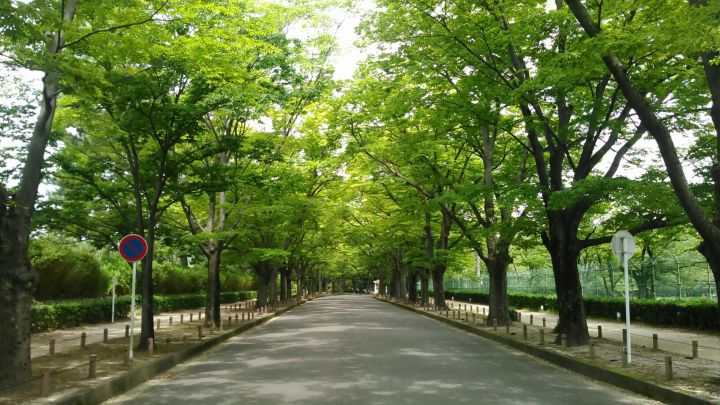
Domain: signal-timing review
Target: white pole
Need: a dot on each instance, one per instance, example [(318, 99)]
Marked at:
[(132, 311), (626, 258), (112, 315)]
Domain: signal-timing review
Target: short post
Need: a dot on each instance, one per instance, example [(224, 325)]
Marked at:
[(483, 310), (105, 335), (52, 347), (45, 382), (151, 346), (599, 331), (181, 319), (199, 315), (83, 338), (473, 318), (519, 316), (191, 315), (229, 320), (544, 324), (236, 317), (694, 349), (525, 332), (185, 340), (494, 323), (199, 332), (531, 319), (655, 342), (668, 368), (127, 330), (542, 336), (624, 358), (466, 317), (447, 313), (563, 340), (92, 371), (170, 321), (507, 328), (624, 335), (158, 324), (243, 316), (591, 346)]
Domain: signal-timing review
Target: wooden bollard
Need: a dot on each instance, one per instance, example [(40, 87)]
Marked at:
[(668, 368), (544, 324), (655, 342), (236, 318), (624, 358), (525, 332), (229, 320), (519, 316), (483, 310), (494, 323), (83, 338), (243, 316), (199, 315), (563, 340), (467, 319), (52, 347), (199, 332), (473, 318), (624, 333), (105, 335), (182, 320), (531, 319), (185, 340), (447, 313), (599, 331), (591, 346), (158, 324), (694, 349), (151, 346), (44, 382), (127, 331), (191, 316), (170, 321), (507, 328), (542, 336), (92, 370)]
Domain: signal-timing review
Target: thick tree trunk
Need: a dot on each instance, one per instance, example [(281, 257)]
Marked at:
[(262, 283), (562, 244), (424, 284), (283, 286), (439, 286), (412, 287), (300, 283), (212, 300), (273, 290), (497, 269), (713, 260)]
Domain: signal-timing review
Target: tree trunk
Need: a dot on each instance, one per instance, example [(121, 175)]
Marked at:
[(424, 284), (562, 244), (439, 286), (412, 287), (283, 286), (300, 283), (147, 324), (273, 280), (262, 285), (497, 271), (212, 300)]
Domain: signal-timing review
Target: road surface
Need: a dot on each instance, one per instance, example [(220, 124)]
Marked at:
[(356, 350)]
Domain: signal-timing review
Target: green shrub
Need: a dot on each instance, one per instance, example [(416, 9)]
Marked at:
[(700, 314), (66, 271), (67, 314)]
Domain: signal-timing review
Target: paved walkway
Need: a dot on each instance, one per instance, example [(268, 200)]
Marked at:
[(356, 350), (69, 339), (670, 339)]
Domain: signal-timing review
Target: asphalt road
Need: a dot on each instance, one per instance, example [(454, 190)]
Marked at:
[(355, 350)]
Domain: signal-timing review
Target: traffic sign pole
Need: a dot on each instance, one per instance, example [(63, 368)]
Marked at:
[(626, 258), (112, 315), (132, 311)]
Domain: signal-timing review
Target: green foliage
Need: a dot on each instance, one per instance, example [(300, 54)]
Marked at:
[(701, 314), (67, 314), (66, 271)]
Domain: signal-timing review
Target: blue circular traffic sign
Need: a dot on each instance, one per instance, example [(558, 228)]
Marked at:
[(133, 248)]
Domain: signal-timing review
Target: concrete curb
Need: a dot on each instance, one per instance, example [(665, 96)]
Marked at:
[(578, 366), (104, 390)]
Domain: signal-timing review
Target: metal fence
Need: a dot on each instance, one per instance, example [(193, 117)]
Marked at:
[(674, 276)]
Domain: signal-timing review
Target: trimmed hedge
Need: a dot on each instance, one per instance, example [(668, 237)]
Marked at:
[(67, 314), (700, 314)]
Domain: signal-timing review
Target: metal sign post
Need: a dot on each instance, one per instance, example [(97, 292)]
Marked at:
[(132, 248), (112, 315), (623, 245)]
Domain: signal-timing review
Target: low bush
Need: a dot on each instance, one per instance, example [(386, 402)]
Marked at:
[(700, 314), (67, 314)]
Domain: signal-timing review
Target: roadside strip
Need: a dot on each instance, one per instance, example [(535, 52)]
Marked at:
[(104, 390), (579, 366)]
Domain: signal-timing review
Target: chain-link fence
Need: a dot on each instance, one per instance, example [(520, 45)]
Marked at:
[(673, 276)]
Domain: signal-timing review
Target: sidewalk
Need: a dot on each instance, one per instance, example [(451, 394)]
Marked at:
[(671, 340), (69, 339)]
